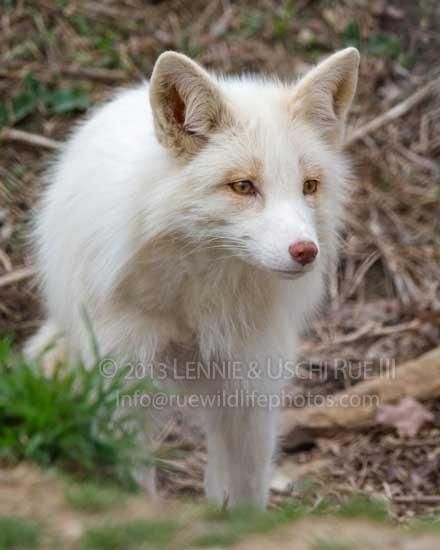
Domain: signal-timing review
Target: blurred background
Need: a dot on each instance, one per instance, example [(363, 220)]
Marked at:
[(59, 57)]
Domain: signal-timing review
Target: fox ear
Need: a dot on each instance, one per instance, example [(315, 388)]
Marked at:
[(186, 102), (325, 94)]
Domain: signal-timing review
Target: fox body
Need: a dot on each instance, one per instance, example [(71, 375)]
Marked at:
[(197, 216)]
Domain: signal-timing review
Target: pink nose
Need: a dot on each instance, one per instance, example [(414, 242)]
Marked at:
[(304, 252)]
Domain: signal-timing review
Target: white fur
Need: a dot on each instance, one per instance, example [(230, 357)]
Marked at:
[(146, 235)]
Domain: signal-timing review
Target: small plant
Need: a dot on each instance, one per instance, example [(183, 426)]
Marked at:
[(217, 540), (18, 534), (106, 45), (72, 419), (382, 44), (361, 506), (332, 545), (188, 45), (281, 20), (93, 497), (425, 524), (136, 534), (252, 22), (228, 526), (351, 35), (34, 96)]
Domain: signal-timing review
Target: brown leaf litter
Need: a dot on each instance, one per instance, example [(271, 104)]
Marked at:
[(384, 299)]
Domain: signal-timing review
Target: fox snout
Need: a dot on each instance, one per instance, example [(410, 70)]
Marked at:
[(303, 252)]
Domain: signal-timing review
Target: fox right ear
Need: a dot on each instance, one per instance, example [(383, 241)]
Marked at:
[(186, 102), (325, 94)]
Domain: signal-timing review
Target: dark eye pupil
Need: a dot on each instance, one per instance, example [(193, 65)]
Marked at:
[(310, 186), (243, 187)]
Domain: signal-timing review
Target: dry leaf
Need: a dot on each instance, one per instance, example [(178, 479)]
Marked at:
[(408, 416)]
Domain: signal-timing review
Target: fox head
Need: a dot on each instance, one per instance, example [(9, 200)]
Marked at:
[(261, 171)]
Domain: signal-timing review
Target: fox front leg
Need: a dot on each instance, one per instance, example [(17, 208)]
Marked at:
[(241, 443)]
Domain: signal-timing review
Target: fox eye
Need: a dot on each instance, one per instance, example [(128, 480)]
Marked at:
[(243, 187), (310, 186)]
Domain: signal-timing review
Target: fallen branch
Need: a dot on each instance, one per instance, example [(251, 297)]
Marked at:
[(16, 276), (356, 407), (395, 112), (417, 499), (10, 134), (92, 73), (370, 330)]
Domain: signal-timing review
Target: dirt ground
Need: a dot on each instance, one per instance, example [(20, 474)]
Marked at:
[(28, 493)]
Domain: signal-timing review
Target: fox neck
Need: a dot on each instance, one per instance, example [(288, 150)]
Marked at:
[(215, 296)]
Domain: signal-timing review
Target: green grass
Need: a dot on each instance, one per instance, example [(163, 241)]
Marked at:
[(71, 419), (17, 534), (228, 526), (332, 545), (219, 539), (384, 44), (281, 20), (132, 535), (252, 22), (381, 44), (35, 96), (427, 524), (360, 506), (93, 497), (351, 36)]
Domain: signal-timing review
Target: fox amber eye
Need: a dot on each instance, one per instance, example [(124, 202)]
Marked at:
[(243, 187), (310, 186)]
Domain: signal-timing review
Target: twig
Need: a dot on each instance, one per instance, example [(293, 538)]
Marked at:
[(204, 17), (5, 260), (434, 442), (371, 329), (16, 276), (97, 8), (10, 134), (395, 112), (92, 73), (417, 499)]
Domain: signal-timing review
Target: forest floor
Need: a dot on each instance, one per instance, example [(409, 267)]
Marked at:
[(42, 509), (57, 58)]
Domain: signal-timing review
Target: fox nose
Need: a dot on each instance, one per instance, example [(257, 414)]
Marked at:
[(304, 252)]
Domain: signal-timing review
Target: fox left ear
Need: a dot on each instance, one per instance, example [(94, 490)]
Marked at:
[(187, 104), (325, 94)]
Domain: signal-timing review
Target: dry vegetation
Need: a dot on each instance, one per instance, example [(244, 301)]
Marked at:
[(59, 56)]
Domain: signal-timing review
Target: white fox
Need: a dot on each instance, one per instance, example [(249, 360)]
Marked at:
[(197, 216)]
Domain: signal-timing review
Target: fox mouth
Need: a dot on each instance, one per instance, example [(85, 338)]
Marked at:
[(292, 274)]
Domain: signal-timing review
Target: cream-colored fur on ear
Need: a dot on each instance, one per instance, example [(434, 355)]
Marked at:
[(187, 104), (325, 94)]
